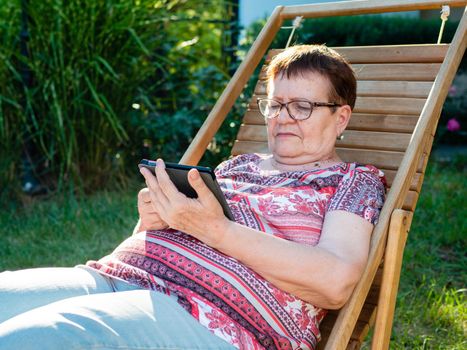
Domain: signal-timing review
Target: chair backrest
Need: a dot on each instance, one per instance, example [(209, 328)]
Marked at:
[(393, 84), (401, 90)]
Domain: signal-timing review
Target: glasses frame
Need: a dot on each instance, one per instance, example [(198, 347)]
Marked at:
[(286, 105)]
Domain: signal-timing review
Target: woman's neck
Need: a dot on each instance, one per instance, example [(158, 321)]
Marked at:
[(284, 165)]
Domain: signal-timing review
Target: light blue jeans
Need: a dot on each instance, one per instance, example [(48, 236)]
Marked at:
[(78, 308)]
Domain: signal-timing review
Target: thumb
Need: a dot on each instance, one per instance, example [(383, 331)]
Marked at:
[(196, 181)]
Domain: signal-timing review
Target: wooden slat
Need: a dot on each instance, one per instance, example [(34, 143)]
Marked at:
[(348, 8), (382, 122), (427, 53), (241, 147), (372, 296), (415, 185), (410, 201), (390, 71), (380, 159), (384, 88), (252, 133), (358, 121), (397, 71), (389, 105), (353, 139), (253, 116), (376, 283), (366, 317), (261, 87), (354, 345), (378, 105), (374, 140)]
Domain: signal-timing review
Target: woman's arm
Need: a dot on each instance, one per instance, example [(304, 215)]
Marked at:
[(323, 275)]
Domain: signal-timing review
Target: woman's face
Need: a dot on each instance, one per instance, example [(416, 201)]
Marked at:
[(310, 140)]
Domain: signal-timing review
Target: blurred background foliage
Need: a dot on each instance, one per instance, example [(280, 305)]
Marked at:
[(103, 84)]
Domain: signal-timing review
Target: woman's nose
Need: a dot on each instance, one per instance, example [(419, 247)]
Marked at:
[(284, 116)]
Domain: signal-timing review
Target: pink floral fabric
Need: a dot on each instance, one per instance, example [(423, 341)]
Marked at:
[(228, 298)]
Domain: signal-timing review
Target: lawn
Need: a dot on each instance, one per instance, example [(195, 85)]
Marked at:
[(431, 311)]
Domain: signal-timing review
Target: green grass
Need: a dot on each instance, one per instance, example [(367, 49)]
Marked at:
[(431, 310), (65, 231)]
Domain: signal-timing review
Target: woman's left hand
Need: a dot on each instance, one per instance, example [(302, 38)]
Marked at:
[(200, 217)]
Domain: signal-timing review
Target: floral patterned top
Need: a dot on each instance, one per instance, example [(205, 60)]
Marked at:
[(228, 298)]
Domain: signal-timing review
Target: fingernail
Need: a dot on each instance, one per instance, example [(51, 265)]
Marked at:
[(194, 174)]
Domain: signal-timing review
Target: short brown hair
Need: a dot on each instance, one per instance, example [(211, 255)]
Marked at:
[(300, 59)]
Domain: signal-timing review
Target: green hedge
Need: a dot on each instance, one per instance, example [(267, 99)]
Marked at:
[(112, 80)]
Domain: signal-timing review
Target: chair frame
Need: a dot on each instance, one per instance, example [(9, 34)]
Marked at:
[(390, 234)]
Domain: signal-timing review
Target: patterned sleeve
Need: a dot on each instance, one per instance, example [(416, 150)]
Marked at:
[(362, 192)]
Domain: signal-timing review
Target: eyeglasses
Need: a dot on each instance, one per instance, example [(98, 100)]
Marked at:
[(298, 110)]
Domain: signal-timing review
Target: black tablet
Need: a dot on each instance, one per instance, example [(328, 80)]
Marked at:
[(178, 173)]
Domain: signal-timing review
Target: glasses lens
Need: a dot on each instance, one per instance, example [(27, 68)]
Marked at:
[(269, 108), (300, 109)]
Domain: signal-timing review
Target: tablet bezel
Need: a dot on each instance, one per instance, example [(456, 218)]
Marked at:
[(178, 173)]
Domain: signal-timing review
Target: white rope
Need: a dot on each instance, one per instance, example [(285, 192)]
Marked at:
[(295, 24), (444, 17)]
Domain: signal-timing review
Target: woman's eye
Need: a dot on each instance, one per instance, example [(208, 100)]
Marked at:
[(302, 106)]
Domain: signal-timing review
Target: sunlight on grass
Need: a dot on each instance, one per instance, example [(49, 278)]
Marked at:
[(449, 309)]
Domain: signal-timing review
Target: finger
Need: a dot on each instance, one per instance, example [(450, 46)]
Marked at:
[(154, 223), (148, 208), (155, 192), (144, 195), (152, 219), (166, 185), (198, 184)]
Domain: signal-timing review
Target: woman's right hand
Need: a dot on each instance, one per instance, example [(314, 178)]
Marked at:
[(149, 218)]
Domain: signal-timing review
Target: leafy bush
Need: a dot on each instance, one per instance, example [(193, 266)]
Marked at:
[(109, 78), (452, 127)]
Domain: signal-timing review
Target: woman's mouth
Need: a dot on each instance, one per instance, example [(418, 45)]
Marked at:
[(285, 134)]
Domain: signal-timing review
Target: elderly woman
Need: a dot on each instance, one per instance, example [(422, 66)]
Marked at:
[(190, 278)]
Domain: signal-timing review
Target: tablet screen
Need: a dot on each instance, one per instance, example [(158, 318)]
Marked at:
[(178, 173)]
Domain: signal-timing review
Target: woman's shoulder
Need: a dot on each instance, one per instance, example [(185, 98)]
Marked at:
[(353, 169), (361, 191), (357, 174)]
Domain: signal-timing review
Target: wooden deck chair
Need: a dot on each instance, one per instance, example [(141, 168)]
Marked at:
[(401, 90)]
